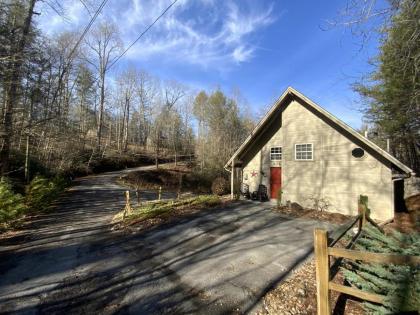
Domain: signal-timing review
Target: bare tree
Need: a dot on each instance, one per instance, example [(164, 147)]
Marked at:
[(127, 82), (104, 43), (147, 93), (364, 17)]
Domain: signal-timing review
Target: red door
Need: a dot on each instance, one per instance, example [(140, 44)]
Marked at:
[(275, 181)]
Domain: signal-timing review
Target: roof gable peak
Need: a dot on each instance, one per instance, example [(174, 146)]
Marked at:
[(329, 116)]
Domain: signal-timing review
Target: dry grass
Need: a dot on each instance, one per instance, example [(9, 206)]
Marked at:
[(156, 212)]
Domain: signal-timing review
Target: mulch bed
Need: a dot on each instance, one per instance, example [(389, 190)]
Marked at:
[(297, 295), (404, 222), (336, 218)]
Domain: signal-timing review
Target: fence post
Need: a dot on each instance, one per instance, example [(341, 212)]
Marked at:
[(127, 208), (322, 271), (160, 193), (363, 208)]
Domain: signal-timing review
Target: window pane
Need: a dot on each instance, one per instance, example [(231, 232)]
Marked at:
[(303, 151), (275, 153)]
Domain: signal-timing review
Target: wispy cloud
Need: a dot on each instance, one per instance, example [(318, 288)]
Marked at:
[(213, 32), (208, 33)]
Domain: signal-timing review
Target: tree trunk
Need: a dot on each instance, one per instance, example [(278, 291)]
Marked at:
[(11, 96), (28, 142), (127, 118), (157, 152), (101, 112)]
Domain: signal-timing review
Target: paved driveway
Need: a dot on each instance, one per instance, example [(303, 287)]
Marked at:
[(214, 262), (228, 257)]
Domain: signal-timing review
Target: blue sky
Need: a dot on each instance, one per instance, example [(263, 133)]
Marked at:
[(260, 47)]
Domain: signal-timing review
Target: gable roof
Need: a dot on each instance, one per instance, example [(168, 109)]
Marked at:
[(291, 91)]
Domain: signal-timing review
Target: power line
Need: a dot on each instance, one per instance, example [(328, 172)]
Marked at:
[(87, 28), (144, 32)]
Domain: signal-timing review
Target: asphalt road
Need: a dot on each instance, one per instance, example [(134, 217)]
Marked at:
[(218, 261)]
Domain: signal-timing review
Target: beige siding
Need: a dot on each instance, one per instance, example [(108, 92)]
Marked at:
[(334, 178)]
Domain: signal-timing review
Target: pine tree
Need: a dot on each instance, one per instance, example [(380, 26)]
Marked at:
[(400, 284), (392, 91)]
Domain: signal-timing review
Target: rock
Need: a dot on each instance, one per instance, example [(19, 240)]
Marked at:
[(301, 292), (295, 206)]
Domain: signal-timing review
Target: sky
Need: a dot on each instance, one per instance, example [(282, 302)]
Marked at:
[(259, 47)]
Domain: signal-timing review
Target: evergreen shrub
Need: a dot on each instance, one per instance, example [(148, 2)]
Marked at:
[(41, 191), (12, 205), (400, 284)]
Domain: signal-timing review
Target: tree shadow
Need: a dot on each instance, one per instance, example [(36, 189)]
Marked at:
[(158, 270)]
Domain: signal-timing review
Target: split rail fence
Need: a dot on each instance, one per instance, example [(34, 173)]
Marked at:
[(325, 272)]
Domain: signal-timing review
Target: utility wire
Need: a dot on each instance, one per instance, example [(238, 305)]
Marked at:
[(144, 32), (66, 66), (87, 28)]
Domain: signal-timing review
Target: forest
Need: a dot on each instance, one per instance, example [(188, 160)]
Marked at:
[(67, 105), (69, 109)]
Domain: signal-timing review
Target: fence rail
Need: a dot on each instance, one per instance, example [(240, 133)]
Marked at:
[(325, 273)]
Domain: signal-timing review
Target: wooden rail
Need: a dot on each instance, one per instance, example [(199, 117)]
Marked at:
[(324, 250), (378, 258)]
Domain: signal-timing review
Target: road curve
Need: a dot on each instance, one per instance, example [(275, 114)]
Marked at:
[(70, 261), (215, 261)]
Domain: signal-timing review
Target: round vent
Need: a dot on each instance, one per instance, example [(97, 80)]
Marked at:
[(358, 152)]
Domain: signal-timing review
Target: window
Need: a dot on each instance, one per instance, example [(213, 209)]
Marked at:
[(304, 152), (275, 154), (358, 152)]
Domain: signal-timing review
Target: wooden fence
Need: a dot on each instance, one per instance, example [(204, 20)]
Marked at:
[(325, 272)]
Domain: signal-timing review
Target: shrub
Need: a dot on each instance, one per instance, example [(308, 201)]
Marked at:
[(41, 191), (11, 205), (400, 284), (219, 186)]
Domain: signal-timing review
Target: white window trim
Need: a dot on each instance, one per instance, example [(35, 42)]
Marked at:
[(281, 153), (312, 147)]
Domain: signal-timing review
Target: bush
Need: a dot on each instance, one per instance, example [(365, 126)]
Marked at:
[(41, 191), (11, 205), (220, 186), (400, 284), (198, 182)]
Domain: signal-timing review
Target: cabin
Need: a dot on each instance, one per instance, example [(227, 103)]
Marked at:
[(304, 155)]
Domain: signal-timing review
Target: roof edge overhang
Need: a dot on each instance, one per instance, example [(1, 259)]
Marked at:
[(291, 91)]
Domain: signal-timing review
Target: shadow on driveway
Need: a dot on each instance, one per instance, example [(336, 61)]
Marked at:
[(217, 261)]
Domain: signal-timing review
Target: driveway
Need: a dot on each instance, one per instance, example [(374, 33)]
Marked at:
[(217, 261)]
